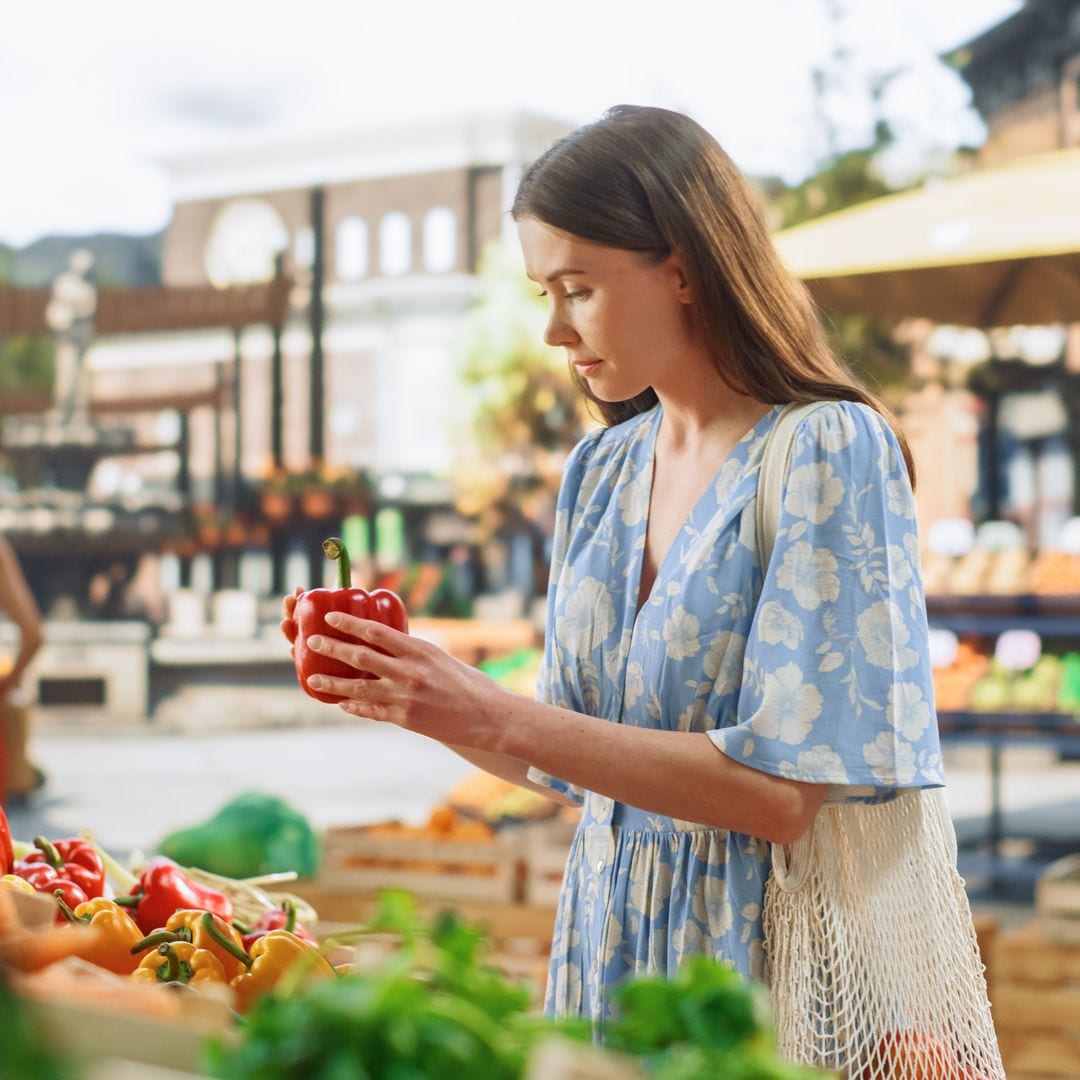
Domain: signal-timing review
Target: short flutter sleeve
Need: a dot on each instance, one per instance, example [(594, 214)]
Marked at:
[(836, 685), (551, 686)]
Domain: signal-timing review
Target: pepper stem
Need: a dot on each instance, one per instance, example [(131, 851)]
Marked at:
[(65, 908), (52, 856), (170, 970), (129, 901), (334, 548), (290, 915), (160, 937), (230, 946)]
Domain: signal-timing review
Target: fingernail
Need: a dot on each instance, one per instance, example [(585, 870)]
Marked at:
[(317, 682), (316, 642), (333, 618)]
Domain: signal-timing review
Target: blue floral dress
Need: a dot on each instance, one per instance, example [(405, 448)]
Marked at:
[(818, 671)]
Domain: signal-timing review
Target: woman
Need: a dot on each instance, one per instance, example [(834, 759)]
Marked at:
[(697, 707)]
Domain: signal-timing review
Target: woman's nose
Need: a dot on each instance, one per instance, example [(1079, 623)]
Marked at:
[(559, 332)]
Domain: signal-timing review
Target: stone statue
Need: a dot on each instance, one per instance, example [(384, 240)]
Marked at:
[(70, 315)]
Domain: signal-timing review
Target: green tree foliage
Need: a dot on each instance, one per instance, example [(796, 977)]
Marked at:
[(27, 364)]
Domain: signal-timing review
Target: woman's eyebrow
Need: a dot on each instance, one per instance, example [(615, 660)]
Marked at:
[(561, 273)]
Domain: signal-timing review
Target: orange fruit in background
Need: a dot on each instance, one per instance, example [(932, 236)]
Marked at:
[(912, 1055)]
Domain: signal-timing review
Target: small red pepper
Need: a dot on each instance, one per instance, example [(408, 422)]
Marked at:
[(44, 879), (163, 888), (279, 918), (309, 619), (73, 859), (7, 852)]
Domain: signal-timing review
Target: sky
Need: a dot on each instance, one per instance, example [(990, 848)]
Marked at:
[(93, 94)]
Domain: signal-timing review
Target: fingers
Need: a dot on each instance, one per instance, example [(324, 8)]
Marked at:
[(357, 690), (375, 634), (289, 629), (358, 656)]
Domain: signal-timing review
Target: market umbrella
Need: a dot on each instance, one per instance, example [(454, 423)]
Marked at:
[(990, 248)]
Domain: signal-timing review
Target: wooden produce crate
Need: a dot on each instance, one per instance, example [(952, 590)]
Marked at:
[(544, 846), (1036, 1001), (1057, 901), (519, 934), (366, 859)]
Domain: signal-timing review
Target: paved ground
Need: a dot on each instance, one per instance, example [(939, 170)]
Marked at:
[(132, 786)]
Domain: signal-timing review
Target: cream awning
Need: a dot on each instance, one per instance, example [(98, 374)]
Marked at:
[(990, 248)]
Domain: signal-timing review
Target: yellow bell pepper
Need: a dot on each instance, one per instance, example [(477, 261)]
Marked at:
[(179, 961), (114, 947), (273, 956), (13, 881), (228, 951)]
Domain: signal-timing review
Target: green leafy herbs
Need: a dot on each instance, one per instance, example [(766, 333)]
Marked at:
[(434, 1008), (704, 1022)]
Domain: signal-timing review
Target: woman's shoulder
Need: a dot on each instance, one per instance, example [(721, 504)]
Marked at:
[(848, 434)]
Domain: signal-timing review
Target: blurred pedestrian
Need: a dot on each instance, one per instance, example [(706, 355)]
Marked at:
[(19, 777)]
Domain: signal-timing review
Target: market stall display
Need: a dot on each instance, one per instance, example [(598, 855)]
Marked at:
[(406, 991)]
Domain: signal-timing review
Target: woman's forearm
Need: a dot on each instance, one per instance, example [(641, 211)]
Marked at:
[(677, 774)]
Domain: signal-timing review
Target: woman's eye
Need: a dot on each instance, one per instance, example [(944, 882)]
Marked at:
[(579, 295)]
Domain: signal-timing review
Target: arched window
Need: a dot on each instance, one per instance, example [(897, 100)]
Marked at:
[(440, 240), (395, 244), (352, 248)]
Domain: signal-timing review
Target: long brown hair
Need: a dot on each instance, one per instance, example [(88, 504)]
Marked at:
[(654, 181)]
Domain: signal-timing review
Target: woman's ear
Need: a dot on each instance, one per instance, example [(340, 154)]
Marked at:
[(682, 285)]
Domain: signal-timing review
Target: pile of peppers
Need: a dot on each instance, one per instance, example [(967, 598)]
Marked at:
[(170, 929)]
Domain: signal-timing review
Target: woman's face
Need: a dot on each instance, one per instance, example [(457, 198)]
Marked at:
[(624, 322)]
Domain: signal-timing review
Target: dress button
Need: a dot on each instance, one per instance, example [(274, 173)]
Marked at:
[(599, 866)]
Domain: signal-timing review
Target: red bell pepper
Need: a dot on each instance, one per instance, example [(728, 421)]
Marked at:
[(309, 619), (279, 918), (44, 879), (163, 888), (7, 852), (72, 859)]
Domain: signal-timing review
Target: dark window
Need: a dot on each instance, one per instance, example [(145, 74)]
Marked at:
[(71, 691)]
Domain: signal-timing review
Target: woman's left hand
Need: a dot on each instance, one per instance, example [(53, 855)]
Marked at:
[(417, 686)]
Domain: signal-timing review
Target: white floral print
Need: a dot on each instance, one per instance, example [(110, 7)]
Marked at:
[(723, 661), (816, 763), (813, 492), (810, 573), (778, 626), (909, 711), (588, 617), (883, 634), (789, 706), (681, 634)]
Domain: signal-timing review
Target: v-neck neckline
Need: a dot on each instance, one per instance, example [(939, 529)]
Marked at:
[(639, 605)]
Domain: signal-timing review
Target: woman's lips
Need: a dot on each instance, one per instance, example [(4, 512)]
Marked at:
[(587, 367)]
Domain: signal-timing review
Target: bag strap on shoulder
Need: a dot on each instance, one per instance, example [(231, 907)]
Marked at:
[(774, 466)]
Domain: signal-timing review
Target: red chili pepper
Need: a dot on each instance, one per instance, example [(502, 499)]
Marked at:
[(164, 888), (73, 859), (7, 852), (280, 918), (309, 619)]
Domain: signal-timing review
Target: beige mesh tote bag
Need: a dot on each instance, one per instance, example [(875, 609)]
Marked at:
[(873, 964)]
